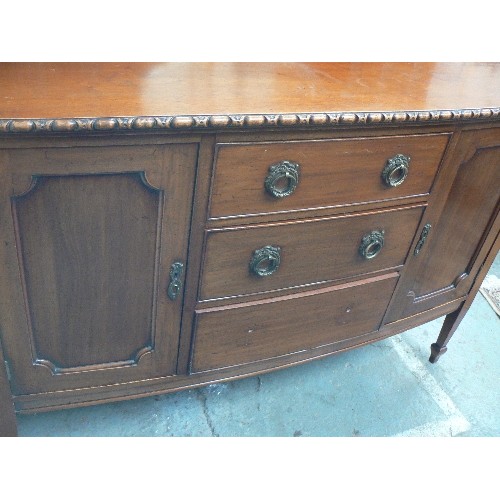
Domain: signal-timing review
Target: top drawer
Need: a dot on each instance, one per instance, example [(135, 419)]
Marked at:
[(330, 173)]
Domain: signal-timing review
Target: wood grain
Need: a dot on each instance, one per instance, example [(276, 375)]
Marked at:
[(161, 385), (266, 329), (196, 249), (88, 160), (54, 90), (89, 245), (89, 267), (312, 251), (332, 172), (452, 320), (448, 262)]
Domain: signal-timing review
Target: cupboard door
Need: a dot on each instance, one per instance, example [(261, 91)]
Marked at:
[(89, 235), (445, 267)]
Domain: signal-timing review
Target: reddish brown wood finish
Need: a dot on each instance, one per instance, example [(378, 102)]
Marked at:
[(196, 248), (338, 117), (88, 247), (312, 251), (264, 329), (55, 223), (447, 265), (54, 90), (161, 385), (332, 173), (452, 320)]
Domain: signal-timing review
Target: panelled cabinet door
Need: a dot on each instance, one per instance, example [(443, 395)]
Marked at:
[(89, 236), (448, 248)]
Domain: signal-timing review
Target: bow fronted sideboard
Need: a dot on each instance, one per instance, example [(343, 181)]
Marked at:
[(165, 226)]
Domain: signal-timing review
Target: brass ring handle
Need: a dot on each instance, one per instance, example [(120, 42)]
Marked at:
[(371, 244), (396, 170), (265, 261), (282, 179)]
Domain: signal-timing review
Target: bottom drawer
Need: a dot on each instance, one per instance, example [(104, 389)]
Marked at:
[(253, 331)]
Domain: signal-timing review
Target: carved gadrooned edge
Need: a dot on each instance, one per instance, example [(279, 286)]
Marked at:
[(254, 121)]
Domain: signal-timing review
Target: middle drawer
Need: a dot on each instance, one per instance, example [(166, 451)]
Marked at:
[(256, 258)]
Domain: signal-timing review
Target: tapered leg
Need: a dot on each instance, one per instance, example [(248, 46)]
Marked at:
[(453, 319), (450, 324)]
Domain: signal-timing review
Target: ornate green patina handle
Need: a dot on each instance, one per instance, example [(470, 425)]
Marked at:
[(282, 179), (371, 244), (423, 237), (175, 285), (396, 170), (265, 261)]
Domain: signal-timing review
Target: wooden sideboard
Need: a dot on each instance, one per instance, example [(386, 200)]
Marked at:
[(165, 226)]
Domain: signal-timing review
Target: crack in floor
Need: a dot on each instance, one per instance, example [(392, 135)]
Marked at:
[(203, 399)]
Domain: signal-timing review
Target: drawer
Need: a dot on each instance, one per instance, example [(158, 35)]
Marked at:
[(331, 173), (265, 329), (309, 251)]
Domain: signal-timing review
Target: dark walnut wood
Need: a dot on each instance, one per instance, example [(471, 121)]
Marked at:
[(169, 225)]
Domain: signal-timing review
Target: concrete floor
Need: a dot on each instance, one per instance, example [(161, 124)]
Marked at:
[(384, 389)]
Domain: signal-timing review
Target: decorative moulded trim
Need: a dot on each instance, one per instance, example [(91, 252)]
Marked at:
[(252, 121), (140, 355)]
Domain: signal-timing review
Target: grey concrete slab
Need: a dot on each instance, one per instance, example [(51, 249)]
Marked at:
[(179, 414), (384, 389), (336, 396)]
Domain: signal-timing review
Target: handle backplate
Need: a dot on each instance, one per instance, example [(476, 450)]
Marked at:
[(282, 179), (266, 260), (396, 170), (423, 237), (371, 244), (175, 285)]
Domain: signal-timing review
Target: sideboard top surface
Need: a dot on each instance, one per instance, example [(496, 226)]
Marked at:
[(221, 95)]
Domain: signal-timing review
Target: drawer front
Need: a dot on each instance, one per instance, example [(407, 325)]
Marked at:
[(268, 328), (310, 251), (330, 173)]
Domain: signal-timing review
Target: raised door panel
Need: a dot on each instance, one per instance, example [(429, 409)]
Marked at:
[(445, 267), (90, 239)]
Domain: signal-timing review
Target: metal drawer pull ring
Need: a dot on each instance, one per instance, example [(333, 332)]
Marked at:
[(282, 179), (371, 244), (396, 170), (265, 261)]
